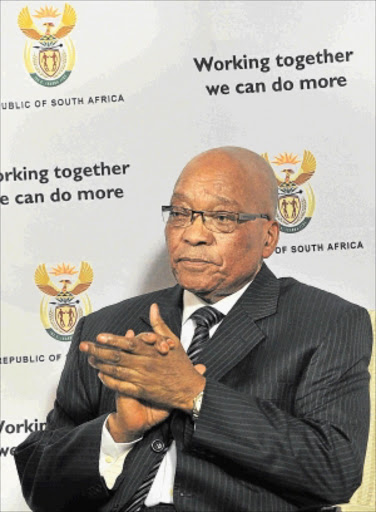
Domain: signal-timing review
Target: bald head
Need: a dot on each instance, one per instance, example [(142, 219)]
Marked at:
[(249, 173)]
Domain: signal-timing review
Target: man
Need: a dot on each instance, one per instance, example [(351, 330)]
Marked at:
[(265, 409)]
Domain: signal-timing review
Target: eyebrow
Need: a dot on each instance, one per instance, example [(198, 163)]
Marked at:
[(221, 199)]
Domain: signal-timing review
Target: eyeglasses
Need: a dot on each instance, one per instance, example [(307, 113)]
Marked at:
[(219, 222)]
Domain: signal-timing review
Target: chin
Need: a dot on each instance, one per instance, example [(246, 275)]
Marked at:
[(195, 284)]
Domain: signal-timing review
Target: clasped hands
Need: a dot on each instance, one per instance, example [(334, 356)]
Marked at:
[(150, 373)]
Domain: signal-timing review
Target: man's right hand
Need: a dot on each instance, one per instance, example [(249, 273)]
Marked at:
[(134, 417)]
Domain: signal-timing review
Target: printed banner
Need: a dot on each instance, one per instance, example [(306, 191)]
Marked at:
[(103, 103)]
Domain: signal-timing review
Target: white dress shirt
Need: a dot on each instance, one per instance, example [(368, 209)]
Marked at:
[(112, 454)]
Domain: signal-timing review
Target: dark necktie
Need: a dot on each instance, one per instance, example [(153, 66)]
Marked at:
[(204, 318)]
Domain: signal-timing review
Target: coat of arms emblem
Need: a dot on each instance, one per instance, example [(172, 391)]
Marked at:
[(50, 55), (296, 201), (63, 306)]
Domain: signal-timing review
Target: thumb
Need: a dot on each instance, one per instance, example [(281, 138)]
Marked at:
[(201, 368), (158, 324)]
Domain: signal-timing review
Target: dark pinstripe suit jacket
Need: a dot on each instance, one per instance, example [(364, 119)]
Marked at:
[(283, 424)]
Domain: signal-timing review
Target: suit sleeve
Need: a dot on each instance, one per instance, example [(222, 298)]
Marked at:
[(314, 455), (59, 467)]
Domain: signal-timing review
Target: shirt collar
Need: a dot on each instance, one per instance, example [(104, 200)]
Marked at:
[(191, 302)]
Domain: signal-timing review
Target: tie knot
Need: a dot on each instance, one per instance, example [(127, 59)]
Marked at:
[(207, 316)]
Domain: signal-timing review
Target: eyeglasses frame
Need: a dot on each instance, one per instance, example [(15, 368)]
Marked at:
[(240, 216)]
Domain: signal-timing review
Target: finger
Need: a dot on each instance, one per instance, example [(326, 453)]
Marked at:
[(121, 387), (114, 371), (128, 343), (102, 354), (163, 345), (201, 368), (158, 324), (149, 338)]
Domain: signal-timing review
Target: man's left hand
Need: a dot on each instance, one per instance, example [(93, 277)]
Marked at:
[(153, 367)]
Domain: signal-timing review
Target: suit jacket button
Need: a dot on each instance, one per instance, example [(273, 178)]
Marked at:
[(157, 445)]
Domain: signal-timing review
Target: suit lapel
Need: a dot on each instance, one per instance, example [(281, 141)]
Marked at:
[(239, 334), (170, 306)]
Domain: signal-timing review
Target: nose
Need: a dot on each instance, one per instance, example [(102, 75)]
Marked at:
[(197, 233)]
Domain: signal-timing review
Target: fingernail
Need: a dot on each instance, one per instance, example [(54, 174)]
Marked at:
[(100, 376)]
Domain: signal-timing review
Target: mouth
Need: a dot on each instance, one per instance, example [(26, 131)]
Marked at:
[(194, 262)]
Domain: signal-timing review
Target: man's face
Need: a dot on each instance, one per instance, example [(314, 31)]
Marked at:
[(213, 265)]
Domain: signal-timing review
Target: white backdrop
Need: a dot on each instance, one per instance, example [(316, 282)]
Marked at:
[(144, 59)]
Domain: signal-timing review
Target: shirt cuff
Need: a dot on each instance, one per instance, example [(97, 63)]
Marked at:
[(112, 456)]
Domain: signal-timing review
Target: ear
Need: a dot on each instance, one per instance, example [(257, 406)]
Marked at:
[(271, 238)]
